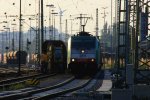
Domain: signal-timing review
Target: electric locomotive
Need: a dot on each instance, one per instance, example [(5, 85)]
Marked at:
[(84, 54)]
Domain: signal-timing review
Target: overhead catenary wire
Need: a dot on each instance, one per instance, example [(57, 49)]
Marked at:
[(76, 6)]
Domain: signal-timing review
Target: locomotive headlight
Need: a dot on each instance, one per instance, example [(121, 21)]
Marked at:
[(92, 60), (82, 51), (73, 60)]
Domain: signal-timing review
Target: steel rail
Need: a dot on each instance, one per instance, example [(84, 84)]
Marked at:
[(17, 79), (47, 97), (30, 92), (40, 76)]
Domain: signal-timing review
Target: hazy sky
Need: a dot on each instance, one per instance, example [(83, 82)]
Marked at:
[(72, 7)]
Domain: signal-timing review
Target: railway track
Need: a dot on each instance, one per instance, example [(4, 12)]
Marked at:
[(27, 92), (89, 92), (88, 88), (5, 84), (72, 86), (8, 71), (4, 70), (61, 90), (7, 81), (98, 89)]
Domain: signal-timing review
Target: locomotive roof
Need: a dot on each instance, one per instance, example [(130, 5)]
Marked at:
[(55, 43), (83, 33), (78, 38)]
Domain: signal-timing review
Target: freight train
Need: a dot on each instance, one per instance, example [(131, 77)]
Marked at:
[(84, 54), (12, 57), (54, 57)]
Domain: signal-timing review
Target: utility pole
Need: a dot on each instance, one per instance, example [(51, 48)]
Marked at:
[(53, 20), (38, 35), (71, 24), (42, 24), (136, 39), (8, 39), (30, 29), (104, 16), (50, 6), (13, 40), (66, 31), (2, 46), (20, 17), (111, 28), (52, 28), (60, 21), (2, 51), (97, 22)]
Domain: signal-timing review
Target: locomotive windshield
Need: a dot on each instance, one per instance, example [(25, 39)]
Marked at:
[(83, 43)]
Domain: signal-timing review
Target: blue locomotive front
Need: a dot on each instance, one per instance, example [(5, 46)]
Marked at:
[(84, 54)]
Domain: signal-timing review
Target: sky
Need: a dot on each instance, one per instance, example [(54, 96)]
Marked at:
[(71, 7)]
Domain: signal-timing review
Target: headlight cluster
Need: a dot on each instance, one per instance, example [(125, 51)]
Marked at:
[(92, 60), (73, 60)]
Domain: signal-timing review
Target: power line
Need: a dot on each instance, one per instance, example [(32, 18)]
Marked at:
[(75, 6)]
